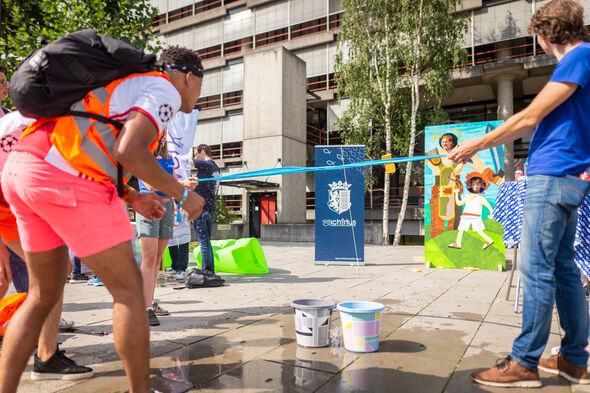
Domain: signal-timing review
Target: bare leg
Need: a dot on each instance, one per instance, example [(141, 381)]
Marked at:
[(149, 267), (486, 237), (116, 267), (459, 238), (47, 343), (47, 274), (162, 245)]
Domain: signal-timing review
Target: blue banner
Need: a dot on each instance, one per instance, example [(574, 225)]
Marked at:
[(339, 206)]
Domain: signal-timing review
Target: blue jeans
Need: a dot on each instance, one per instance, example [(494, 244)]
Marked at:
[(203, 226), (179, 257), (77, 266), (20, 274), (547, 270)]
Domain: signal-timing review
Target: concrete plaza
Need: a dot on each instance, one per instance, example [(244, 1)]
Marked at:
[(437, 328)]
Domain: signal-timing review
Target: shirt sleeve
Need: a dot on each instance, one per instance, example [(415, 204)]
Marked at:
[(154, 96), (574, 67)]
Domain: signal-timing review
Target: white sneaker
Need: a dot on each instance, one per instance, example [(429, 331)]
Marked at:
[(65, 324), (180, 275)]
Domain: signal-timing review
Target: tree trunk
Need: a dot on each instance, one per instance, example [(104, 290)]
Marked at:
[(402, 211), (386, 186), (386, 183)]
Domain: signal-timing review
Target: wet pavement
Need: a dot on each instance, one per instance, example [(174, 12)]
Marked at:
[(438, 327)]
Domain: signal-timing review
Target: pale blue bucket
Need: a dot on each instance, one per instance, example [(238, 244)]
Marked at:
[(361, 322)]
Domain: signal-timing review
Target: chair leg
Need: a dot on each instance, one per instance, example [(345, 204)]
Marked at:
[(517, 295), (514, 256)]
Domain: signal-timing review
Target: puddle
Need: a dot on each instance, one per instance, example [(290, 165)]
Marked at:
[(469, 316)]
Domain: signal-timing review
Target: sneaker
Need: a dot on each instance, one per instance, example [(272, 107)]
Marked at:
[(153, 319), (97, 282), (92, 279), (78, 278), (508, 373), (559, 365), (59, 366), (65, 324), (180, 275), (159, 311)]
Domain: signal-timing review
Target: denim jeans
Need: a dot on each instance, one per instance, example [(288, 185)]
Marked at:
[(77, 270), (547, 270), (20, 274), (203, 226), (179, 257)]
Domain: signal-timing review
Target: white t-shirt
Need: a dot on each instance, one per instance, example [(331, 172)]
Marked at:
[(12, 126), (153, 96)]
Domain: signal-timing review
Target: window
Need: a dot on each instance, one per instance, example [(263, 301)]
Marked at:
[(233, 129), (304, 10), (180, 13), (183, 37), (208, 34), (211, 83), (238, 25), (315, 59), (271, 17), (231, 150), (233, 77), (209, 132), (307, 28)]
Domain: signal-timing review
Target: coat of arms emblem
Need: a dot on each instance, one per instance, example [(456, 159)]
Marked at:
[(339, 197)]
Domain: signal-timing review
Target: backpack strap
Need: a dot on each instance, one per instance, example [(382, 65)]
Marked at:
[(118, 125)]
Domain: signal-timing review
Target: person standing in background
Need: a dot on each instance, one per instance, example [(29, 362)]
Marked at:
[(203, 225)]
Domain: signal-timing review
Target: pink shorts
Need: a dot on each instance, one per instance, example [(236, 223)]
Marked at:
[(54, 208)]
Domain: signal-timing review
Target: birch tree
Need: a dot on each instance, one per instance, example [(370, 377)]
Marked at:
[(393, 63)]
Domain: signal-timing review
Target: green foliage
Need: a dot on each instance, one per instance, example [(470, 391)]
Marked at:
[(23, 22), (223, 213), (382, 45)]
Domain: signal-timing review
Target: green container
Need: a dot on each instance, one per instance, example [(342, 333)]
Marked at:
[(243, 256)]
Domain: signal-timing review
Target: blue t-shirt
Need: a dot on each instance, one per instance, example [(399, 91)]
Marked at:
[(168, 165), (207, 189), (561, 142)]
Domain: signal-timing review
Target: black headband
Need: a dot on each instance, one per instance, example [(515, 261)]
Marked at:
[(183, 68)]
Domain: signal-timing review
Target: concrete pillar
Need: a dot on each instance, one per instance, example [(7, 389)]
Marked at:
[(505, 110), (274, 125)]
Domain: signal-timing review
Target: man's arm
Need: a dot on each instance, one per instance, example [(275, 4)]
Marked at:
[(549, 98), (131, 150)]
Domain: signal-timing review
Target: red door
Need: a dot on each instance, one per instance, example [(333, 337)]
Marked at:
[(268, 208)]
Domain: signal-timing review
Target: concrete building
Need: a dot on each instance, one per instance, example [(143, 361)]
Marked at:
[(261, 58)]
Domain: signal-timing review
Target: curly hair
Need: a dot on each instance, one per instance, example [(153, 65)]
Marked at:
[(560, 21), (180, 55)]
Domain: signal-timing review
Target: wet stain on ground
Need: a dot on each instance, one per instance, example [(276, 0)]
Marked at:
[(468, 316)]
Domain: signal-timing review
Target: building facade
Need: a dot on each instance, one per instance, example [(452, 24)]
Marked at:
[(506, 68)]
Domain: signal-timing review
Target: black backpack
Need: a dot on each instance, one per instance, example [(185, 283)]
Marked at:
[(61, 73), (197, 278)]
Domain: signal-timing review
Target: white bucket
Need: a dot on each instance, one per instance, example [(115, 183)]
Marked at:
[(312, 321)]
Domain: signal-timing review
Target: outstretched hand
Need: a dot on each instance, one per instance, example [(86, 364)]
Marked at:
[(463, 152), (149, 206)]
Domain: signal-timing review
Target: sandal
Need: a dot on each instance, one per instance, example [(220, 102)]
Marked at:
[(455, 246), (487, 245)]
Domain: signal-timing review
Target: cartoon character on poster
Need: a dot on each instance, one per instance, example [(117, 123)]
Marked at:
[(474, 203), (454, 236)]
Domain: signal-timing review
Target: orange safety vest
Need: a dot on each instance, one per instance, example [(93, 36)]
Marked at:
[(87, 144), (8, 307)]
